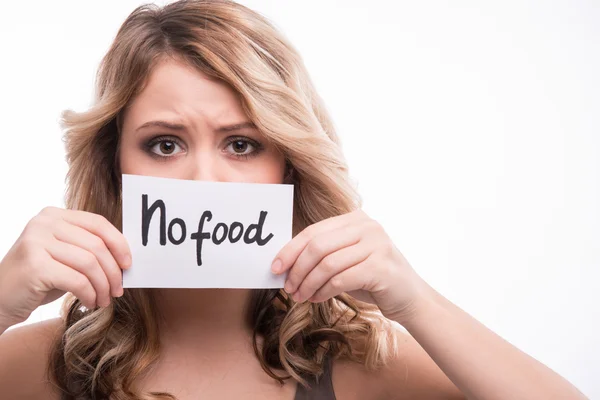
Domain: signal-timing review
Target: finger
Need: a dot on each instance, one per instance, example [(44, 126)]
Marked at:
[(84, 262), (84, 239), (318, 248), (286, 257), (330, 266), (346, 281), (100, 226), (67, 279)]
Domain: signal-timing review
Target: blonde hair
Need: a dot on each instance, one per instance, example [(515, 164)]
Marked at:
[(103, 351)]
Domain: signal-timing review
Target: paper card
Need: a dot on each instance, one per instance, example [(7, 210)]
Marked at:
[(198, 234)]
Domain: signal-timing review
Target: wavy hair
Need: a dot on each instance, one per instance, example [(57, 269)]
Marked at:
[(103, 351)]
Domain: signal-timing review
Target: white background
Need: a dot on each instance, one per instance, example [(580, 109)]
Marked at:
[(471, 128)]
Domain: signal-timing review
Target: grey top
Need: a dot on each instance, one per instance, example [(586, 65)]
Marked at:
[(320, 389)]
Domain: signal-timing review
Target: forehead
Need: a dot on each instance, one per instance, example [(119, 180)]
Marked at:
[(175, 90)]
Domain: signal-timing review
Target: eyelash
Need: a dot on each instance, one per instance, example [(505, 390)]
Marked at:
[(232, 139)]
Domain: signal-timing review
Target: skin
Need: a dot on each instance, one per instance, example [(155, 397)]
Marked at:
[(206, 346)]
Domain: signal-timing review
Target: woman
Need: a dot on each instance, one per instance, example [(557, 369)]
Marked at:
[(209, 90)]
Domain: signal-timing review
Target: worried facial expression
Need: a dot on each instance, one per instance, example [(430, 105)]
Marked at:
[(185, 125)]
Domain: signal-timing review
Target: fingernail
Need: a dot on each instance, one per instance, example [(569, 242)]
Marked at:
[(296, 297), (276, 267)]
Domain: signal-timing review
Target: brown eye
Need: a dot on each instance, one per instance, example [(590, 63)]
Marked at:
[(240, 146), (164, 147), (167, 147)]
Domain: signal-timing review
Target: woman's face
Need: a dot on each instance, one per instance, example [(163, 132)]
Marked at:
[(185, 126)]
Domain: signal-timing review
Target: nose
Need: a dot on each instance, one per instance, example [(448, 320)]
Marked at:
[(204, 167)]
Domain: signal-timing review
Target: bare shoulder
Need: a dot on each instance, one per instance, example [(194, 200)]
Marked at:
[(411, 374), (24, 353)]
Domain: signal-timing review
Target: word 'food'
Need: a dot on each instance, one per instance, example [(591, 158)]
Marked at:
[(233, 232)]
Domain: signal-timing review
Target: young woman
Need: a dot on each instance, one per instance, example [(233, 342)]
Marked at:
[(209, 90)]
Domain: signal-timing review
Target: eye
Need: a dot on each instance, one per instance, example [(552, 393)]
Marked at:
[(243, 147), (164, 146)]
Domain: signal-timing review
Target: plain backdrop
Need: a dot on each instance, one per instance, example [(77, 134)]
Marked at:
[(471, 128)]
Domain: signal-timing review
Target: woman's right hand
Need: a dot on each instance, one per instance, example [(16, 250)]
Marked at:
[(62, 251)]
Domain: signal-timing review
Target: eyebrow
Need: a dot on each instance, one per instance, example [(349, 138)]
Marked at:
[(180, 127)]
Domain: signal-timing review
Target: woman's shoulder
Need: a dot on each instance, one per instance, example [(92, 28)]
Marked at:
[(24, 353), (409, 374)]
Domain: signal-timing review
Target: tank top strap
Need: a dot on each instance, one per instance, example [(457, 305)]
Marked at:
[(321, 388)]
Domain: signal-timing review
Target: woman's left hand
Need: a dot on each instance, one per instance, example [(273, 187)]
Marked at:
[(350, 253)]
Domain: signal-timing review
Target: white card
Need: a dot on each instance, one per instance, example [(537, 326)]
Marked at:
[(243, 227)]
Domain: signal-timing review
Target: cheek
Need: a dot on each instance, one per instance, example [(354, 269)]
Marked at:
[(263, 171), (272, 169), (131, 160), (125, 161)]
